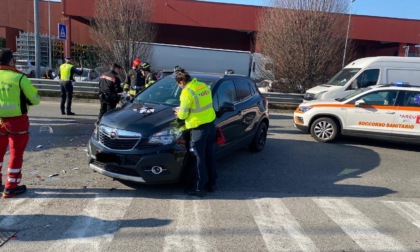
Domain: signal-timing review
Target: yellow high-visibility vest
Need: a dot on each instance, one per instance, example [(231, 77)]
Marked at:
[(196, 104), (12, 85), (65, 71)]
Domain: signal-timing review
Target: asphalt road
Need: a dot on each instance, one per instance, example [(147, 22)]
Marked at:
[(295, 195)]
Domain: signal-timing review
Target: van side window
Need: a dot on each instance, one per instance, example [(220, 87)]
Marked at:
[(368, 78)]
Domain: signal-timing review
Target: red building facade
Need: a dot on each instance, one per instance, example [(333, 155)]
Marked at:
[(205, 24)]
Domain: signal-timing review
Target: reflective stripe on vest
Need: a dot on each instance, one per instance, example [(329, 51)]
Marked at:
[(65, 72)]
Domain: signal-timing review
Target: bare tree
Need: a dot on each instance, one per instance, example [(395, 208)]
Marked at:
[(305, 40), (122, 29)]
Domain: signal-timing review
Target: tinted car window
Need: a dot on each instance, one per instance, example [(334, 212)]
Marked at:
[(226, 93), (411, 99), (243, 90), (385, 97)]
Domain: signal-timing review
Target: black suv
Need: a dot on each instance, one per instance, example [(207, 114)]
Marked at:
[(144, 142)]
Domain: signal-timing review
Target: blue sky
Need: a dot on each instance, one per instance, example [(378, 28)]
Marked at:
[(383, 8)]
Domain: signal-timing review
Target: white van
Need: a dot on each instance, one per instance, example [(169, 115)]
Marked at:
[(366, 72)]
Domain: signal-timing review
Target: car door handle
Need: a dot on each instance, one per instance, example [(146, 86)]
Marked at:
[(390, 112)]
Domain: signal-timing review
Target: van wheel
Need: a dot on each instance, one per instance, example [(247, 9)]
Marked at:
[(260, 138), (324, 129)]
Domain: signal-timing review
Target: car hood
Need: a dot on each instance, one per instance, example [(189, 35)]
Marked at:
[(323, 87), (318, 102), (146, 119)]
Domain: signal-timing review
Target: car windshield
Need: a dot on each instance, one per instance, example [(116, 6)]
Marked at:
[(165, 91), (343, 76)]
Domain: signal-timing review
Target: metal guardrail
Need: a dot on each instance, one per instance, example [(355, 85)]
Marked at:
[(284, 98), (88, 87)]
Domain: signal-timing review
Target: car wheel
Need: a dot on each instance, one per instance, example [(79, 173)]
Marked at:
[(260, 138), (32, 74), (324, 129)]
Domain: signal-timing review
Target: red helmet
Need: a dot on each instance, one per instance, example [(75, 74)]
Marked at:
[(136, 62)]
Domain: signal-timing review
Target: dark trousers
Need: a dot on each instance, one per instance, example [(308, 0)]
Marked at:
[(66, 95), (202, 146), (105, 107)]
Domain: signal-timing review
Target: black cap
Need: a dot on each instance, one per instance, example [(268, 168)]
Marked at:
[(69, 58), (5, 56)]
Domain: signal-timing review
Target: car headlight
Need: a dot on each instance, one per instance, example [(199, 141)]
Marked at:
[(166, 137), (95, 133), (304, 109)]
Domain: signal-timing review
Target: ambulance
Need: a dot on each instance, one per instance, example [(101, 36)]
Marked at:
[(366, 72), (389, 112)]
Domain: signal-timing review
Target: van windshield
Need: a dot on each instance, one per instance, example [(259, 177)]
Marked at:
[(343, 76)]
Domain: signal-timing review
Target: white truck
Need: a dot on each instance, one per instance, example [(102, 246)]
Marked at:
[(199, 59), (366, 72)]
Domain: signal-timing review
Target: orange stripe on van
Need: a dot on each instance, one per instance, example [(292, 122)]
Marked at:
[(406, 108)]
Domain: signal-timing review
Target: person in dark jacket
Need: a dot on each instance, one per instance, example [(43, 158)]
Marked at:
[(66, 75), (109, 87)]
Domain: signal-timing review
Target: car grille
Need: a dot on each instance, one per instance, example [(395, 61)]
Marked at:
[(118, 139), (116, 169)]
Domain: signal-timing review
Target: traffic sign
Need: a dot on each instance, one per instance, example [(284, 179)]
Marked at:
[(62, 31)]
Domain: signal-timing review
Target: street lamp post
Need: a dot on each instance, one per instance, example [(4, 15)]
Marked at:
[(49, 35), (347, 35)]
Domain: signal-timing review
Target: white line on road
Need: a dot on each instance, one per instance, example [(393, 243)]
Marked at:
[(279, 228), (189, 217), (96, 225), (359, 227), (409, 210)]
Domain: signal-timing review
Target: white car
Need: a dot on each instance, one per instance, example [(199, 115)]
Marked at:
[(28, 67), (390, 112)]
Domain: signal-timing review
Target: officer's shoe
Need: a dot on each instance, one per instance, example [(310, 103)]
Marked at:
[(70, 113), (196, 193), (8, 193)]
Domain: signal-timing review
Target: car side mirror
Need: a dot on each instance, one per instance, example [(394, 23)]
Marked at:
[(359, 103), (226, 106)]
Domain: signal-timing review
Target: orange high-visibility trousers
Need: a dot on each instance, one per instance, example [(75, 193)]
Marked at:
[(13, 133)]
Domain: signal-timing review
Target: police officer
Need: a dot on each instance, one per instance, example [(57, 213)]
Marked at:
[(16, 95), (196, 109), (134, 80), (109, 87), (66, 75), (148, 76)]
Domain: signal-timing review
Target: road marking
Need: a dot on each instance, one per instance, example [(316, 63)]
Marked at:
[(279, 228), (18, 207), (359, 227), (96, 225), (189, 217), (408, 210)]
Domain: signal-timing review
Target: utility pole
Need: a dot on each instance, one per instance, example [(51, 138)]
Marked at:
[(347, 36), (37, 42), (49, 35)]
